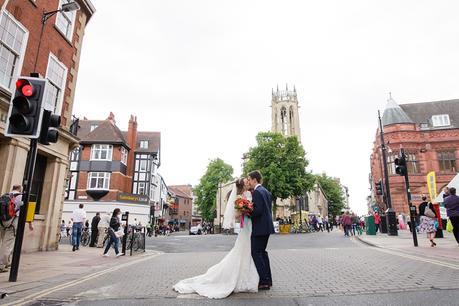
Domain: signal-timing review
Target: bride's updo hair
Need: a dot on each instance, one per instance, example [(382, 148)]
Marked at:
[(240, 185)]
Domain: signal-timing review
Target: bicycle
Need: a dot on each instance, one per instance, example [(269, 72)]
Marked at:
[(85, 237)]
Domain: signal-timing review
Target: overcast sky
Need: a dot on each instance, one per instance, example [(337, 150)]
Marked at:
[(201, 73)]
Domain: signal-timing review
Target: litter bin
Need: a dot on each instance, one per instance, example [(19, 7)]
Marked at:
[(370, 225)]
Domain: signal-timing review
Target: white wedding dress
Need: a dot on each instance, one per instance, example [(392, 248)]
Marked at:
[(236, 272)]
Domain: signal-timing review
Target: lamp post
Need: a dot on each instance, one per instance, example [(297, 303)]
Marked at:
[(66, 7)]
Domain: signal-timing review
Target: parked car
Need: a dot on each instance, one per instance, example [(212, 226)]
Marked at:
[(196, 230)]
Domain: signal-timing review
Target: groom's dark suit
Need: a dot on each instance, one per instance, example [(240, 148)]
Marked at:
[(262, 227)]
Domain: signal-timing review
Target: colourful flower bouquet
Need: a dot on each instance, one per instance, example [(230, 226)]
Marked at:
[(244, 208)]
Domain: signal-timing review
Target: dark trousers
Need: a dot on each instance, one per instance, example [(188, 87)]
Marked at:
[(455, 223), (261, 259), (112, 240), (94, 233)]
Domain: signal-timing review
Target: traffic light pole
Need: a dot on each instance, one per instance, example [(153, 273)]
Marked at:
[(30, 165), (411, 207), (390, 213)]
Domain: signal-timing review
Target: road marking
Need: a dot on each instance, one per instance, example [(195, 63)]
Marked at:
[(428, 260), (37, 295), (405, 255)]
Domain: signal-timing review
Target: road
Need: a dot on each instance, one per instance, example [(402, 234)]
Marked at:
[(308, 269)]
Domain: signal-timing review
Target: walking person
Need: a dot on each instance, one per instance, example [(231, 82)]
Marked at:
[(10, 204), (452, 210), (377, 220), (78, 218), (94, 229), (115, 223), (347, 224), (320, 223), (326, 224), (428, 218)]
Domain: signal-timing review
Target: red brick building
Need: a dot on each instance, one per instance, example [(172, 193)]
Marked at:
[(114, 168), (429, 134), (57, 59), (181, 212)]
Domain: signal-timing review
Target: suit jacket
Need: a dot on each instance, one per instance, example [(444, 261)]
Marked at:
[(262, 220)]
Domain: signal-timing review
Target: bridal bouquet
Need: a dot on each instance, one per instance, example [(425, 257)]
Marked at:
[(244, 208)]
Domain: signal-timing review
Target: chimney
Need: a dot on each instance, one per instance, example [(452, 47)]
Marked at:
[(111, 118), (132, 142)]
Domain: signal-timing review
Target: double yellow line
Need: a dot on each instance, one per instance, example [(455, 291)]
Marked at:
[(38, 295)]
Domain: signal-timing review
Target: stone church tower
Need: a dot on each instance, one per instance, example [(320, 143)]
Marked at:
[(285, 118)]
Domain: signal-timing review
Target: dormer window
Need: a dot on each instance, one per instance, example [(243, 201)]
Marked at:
[(144, 144), (440, 120)]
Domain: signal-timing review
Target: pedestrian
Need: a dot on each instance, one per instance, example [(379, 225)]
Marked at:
[(451, 203), (377, 220), (94, 229), (320, 223), (114, 226), (326, 224), (78, 218), (10, 205), (68, 227), (428, 218), (62, 228), (347, 223)]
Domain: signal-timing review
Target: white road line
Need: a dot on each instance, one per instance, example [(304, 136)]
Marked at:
[(48, 291)]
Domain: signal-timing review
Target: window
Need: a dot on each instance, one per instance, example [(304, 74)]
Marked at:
[(99, 180), (412, 163), (65, 21), (93, 127), (143, 165), (101, 152), (447, 161), (56, 73), (124, 155), (13, 39), (440, 120), (141, 188), (144, 144)]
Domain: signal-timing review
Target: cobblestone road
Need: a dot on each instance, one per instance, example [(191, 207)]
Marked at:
[(307, 269)]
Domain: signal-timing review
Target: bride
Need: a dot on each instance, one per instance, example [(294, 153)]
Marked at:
[(236, 272)]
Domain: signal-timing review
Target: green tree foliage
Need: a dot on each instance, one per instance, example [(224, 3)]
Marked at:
[(333, 191), (282, 163), (217, 172)]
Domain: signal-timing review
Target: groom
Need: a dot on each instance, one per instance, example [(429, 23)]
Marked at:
[(262, 227)]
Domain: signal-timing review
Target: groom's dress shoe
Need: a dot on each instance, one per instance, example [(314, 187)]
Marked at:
[(264, 287)]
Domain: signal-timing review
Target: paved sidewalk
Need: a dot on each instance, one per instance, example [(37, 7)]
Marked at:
[(446, 249), (40, 270)]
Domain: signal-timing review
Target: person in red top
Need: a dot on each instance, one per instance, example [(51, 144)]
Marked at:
[(347, 223), (377, 220)]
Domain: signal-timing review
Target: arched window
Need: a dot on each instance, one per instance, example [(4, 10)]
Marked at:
[(284, 122), (292, 126)]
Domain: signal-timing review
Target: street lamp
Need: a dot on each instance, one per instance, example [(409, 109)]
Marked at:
[(66, 7)]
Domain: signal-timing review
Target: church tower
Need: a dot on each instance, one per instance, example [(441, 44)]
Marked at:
[(285, 119)]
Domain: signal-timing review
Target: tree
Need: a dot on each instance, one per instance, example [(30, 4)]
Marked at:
[(217, 172), (282, 162), (333, 191)]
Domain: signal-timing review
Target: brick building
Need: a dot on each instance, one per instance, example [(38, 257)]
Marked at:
[(182, 207), (112, 168), (429, 134), (57, 59)]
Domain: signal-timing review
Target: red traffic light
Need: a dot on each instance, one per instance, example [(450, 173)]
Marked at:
[(24, 87)]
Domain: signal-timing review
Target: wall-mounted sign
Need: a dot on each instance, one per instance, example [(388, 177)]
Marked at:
[(132, 198)]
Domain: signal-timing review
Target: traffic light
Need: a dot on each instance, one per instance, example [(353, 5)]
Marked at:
[(400, 164), (379, 188), (25, 113), (49, 124)]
